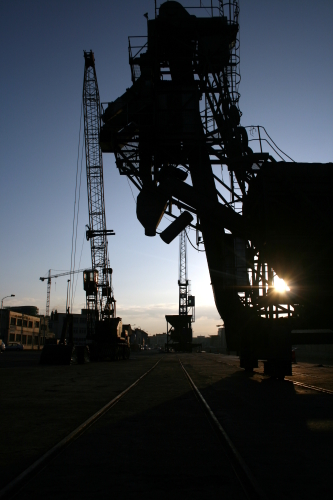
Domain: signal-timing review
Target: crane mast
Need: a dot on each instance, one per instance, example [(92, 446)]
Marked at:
[(183, 281), (47, 311), (100, 301), (186, 300)]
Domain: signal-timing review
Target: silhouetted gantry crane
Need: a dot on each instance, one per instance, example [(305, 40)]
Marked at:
[(174, 133)]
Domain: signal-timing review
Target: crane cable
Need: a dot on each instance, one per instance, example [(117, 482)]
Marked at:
[(77, 276), (76, 208), (197, 249), (77, 222)]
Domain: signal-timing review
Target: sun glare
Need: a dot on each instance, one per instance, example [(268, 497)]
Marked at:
[(280, 285)]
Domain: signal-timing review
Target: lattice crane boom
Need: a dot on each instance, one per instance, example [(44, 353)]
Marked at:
[(101, 299)]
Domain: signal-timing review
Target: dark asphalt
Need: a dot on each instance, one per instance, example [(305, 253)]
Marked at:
[(156, 443)]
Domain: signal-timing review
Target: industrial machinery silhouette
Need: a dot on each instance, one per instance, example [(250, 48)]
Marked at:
[(106, 338), (176, 135)]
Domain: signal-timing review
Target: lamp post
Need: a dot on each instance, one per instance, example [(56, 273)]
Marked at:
[(12, 295)]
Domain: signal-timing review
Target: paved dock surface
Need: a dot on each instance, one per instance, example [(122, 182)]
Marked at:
[(156, 441)]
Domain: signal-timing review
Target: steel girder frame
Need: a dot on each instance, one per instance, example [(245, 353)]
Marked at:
[(172, 126), (212, 141)]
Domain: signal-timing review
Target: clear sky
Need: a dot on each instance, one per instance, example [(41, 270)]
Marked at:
[(287, 74)]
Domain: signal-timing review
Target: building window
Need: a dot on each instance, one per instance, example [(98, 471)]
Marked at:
[(29, 339), (18, 337), (13, 321), (12, 337), (24, 341), (19, 322), (30, 324), (25, 323), (36, 324), (35, 340)]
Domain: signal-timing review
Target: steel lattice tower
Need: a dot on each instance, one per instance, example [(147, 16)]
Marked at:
[(101, 302), (183, 281), (47, 312)]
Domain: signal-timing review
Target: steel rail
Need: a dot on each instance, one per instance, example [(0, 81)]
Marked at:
[(25, 476), (248, 483), (300, 384), (312, 387)]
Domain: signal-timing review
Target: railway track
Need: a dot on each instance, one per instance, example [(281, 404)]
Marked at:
[(292, 380), (312, 387), (165, 394), (153, 439), (284, 430), (14, 486), (249, 484)]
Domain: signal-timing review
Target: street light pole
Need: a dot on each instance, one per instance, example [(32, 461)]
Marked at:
[(12, 295)]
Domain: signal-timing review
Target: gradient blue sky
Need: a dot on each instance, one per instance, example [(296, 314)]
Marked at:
[(287, 74)]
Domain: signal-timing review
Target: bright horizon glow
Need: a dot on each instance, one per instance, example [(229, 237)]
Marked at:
[(280, 285)]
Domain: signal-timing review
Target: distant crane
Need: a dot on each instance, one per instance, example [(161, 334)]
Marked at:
[(183, 281), (48, 278), (186, 300)]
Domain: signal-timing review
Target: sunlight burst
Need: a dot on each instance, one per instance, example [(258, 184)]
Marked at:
[(280, 285)]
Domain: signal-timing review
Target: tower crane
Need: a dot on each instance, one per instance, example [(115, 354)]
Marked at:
[(48, 278), (180, 333), (183, 282), (186, 300)]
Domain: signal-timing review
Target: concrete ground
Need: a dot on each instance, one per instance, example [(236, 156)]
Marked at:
[(284, 432)]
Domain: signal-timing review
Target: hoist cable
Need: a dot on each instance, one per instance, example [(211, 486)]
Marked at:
[(77, 222), (77, 277), (76, 181), (190, 242)]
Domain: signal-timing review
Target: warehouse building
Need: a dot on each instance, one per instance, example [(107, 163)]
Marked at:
[(24, 325)]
